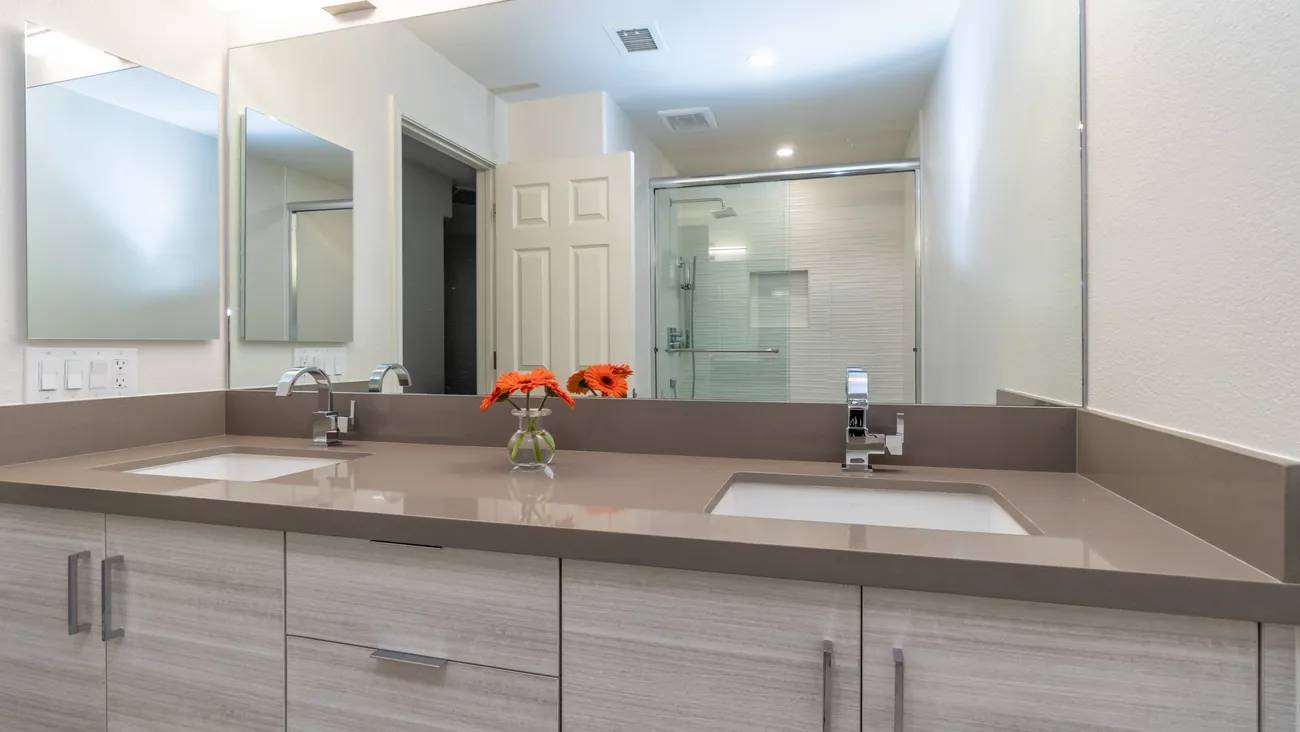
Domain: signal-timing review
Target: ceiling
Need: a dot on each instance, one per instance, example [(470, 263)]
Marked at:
[(847, 80)]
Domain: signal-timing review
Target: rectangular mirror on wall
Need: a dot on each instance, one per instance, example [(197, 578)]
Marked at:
[(122, 212), (297, 255), (739, 214)]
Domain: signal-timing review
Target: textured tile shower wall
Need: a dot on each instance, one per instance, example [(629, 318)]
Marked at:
[(820, 269)]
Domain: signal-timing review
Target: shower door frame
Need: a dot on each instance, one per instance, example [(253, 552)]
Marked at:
[(881, 167)]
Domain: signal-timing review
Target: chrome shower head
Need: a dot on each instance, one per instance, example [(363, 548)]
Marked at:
[(725, 212)]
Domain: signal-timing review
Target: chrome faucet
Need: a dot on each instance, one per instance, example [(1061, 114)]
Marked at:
[(325, 426), (859, 443), (377, 376)]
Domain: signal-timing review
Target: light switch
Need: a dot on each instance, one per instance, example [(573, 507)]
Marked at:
[(99, 374), (74, 375), (49, 380)]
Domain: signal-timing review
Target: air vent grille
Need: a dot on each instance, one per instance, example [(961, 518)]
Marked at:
[(689, 120), (635, 40)]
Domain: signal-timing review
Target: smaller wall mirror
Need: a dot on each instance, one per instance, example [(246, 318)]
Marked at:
[(121, 198), (297, 234)]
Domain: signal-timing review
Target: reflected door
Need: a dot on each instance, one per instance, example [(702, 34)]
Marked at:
[(564, 286)]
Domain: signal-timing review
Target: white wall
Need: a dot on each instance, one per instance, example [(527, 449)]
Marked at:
[(376, 74), (1193, 215), (570, 126), (180, 38), (1001, 211)]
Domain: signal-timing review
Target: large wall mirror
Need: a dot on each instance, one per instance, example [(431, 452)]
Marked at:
[(122, 214), (739, 198)]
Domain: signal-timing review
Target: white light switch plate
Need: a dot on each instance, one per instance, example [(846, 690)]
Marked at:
[(91, 372), (333, 360)]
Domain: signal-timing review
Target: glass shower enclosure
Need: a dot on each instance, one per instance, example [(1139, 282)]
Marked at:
[(768, 290)]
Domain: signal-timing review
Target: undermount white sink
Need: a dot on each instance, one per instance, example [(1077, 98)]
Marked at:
[(868, 501), (240, 466)]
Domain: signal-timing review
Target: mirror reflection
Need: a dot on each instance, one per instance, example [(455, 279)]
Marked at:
[(297, 248), (121, 196), (739, 215)]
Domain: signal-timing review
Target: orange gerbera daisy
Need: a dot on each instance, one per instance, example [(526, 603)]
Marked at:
[(576, 385), (513, 382), (603, 379)]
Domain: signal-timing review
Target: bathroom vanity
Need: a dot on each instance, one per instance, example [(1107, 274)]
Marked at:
[(836, 259), (418, 586)]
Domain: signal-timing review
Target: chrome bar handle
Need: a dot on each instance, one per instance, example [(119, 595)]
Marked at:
[(898, 689), (770, 349), (413, 659), (75, 625), (106, 629), (828, 659)]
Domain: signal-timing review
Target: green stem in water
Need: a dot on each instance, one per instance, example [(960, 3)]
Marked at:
[(514, 447)]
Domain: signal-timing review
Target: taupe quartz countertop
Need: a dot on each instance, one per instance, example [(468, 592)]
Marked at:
[(1095, 548)]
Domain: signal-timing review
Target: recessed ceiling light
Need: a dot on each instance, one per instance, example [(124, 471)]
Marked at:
[(784, 151), (761, 59)]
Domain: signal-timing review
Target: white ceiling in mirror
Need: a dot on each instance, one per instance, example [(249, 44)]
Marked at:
[(269, 138), (854, 54), (149, 93)]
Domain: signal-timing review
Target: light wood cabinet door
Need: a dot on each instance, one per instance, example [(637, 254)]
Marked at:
[(488, 608), (202, 612), (1279, 678), (663, 650), (984, 665), (51, 679), (340, 688)]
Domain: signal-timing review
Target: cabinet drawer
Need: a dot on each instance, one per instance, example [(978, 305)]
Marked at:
[(337, 687), (486, 608)]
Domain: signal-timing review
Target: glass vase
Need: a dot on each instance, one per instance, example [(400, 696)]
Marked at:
[(531, 446)]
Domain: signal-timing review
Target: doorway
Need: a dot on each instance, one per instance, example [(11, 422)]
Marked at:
[(441, 231)]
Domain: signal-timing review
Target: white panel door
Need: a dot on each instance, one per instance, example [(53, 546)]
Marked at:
[(564, 293)]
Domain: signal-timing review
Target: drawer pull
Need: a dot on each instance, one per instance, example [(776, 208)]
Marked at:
[(828, 660), (898, 690), (412, 658), (75, 625), (106, 630)]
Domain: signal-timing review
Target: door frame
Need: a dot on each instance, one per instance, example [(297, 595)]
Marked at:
[(294, 208), (879, 167), (484, 238)]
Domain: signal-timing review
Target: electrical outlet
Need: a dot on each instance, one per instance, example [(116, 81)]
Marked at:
[(60, 374)]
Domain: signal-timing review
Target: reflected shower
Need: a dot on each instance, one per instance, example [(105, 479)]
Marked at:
[(722, 212)]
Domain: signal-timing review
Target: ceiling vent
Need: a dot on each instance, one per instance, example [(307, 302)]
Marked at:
[(689, 120), (348, 7), (636, 38)]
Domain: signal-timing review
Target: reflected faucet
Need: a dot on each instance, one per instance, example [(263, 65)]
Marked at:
[(325, 422), (859, 444), (377, 376)]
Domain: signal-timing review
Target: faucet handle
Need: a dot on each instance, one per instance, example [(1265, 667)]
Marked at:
[(349, 422), (894, 442)]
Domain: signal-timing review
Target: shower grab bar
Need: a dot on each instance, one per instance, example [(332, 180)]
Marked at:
[(722, 350)]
